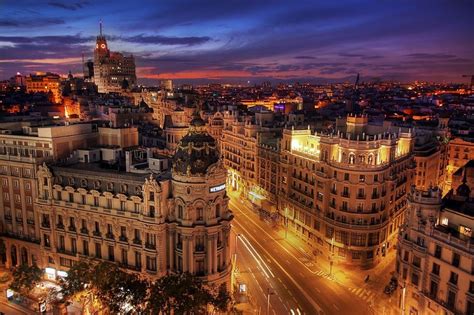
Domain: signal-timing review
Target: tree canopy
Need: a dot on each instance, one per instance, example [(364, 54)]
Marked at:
[(25, 278), (123, 292)]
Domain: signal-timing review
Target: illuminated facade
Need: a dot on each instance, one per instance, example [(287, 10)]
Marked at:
[(239, 151), (113, 72), (45, 83), (431, 159), (345, 190), (460, 151), (435, 258), (173, 222), (20, 155)]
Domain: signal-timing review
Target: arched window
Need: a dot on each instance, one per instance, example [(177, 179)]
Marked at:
[(97, 184), (83, 182), (370, 159), (24, 256), (351, 158), (124, 188), (180, 211), (199, 214), (13, 255)]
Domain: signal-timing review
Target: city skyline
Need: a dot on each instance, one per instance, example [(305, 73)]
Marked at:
[(237, 42)]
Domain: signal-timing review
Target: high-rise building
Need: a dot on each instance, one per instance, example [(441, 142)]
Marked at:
[(113, 72), (435, 258), (45, 83)]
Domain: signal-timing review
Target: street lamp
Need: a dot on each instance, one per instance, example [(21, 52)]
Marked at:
[(268, 300), (331, 262), (234, 265), (286, 222)]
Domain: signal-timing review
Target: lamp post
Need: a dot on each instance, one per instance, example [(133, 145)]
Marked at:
[(234, 264), (331, 262), (268, 300), (286, 222), (404, 291)]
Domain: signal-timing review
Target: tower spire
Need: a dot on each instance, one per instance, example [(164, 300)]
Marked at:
[(100, 25)]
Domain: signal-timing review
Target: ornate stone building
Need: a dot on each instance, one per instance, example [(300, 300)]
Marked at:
[(112, 70), (345, 190), (435, 256), (152, 224)]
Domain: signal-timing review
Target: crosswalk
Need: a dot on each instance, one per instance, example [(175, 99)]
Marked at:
[(364, 294)]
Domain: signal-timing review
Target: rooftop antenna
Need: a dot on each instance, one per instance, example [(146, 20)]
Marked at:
[(83, 69), (100, 25)]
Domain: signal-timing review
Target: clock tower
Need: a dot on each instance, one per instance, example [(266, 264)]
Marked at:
[(101, 51)]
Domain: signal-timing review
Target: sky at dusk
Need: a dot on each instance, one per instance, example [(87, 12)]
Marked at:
[(230, 41)]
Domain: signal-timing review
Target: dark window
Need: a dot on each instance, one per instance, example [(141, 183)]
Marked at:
[(451, 299), (433, 289), (456, 259), (435, 269), (111, 253), (414, 279), (453, 278), (437, 252)]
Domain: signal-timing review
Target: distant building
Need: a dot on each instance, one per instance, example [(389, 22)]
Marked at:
[(167, 85), (113, 72), (435, 259), (460, 151), (45, 83)]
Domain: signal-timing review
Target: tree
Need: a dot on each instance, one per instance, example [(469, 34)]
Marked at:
[(183, 293), (25, 278), (104, 284), (221, 299)]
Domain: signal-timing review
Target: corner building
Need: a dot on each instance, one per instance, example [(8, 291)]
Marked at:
[(435, 256), (344, 191), (150, 224)]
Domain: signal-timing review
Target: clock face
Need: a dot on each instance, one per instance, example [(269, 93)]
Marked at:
[(102, 46)]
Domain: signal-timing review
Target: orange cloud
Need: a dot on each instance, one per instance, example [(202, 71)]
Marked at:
[(52, 61)]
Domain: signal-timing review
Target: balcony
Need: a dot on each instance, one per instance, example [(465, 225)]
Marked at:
[(97, 234), (46, 224), (360, 196), (8, 217), (150, 246), (19, 220), (67, 252), (137, 241), (30, 221), (60, 226), (25, 238), (123, 238), (345, 194), (110, 236), (72, 228), (199, 248), (84, 231)]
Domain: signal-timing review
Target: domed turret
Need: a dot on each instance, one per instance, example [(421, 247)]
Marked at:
[(196, 151), (463, 189)]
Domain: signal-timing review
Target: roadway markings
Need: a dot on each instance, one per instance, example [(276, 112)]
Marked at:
[(255, 254), (364, 294), (295, 283)]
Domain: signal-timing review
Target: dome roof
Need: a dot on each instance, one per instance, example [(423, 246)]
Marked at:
[(463, 189), (196, 151)]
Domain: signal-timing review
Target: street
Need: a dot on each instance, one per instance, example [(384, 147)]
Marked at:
[(270, 264)]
